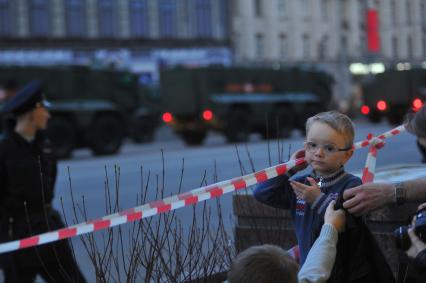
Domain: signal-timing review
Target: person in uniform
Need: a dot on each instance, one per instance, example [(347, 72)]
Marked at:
[(28, 170)]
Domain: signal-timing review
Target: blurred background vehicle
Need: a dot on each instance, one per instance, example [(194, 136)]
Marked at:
[(392, 94), (95, 108), (237, 101)]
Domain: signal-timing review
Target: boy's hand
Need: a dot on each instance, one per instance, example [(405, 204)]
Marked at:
[(296, 155), (337, 218), (305, 192)]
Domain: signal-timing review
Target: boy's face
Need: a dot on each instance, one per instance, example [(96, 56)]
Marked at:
[(326, 149)]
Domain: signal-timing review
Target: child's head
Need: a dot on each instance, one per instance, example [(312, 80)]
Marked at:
[(265, 263), (329, 141)]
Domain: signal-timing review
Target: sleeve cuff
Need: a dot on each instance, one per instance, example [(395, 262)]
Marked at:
[(329, 232)]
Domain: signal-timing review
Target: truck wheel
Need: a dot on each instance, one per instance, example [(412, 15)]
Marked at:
[(143, 132), (238, 128), (193, 137), (62, 135), (106, 136)]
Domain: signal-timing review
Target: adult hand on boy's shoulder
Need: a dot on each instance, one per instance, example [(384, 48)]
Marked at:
[(337, 218), (368, 197), (306, 192)]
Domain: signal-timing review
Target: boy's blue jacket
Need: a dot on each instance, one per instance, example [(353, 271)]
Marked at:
[(354, 259), (308, 219)]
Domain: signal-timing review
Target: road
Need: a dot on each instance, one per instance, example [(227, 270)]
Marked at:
[(88, 174)]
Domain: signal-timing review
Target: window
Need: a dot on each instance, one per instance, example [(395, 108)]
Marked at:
[(259, 46), (139, 19), (167, 14), (283, 45), (106, 18), (424, 44), (39, 16), (422, 12), (325, 9), (305, 8), (5, 18), (322, 48), (258, 9), (393, 11), (75, 17), (281, 7), (363, 42), (224, 16), (410, 47), (408, 13), (237, 44), (306, 47), (203, 18), (395, 47)]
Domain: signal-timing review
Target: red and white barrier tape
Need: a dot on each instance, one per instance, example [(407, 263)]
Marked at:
[(383, 136), (167, 204), (375, 144)]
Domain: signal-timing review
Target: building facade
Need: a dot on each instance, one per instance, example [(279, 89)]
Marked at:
[(149, 19), (155, 32), (327, 30)]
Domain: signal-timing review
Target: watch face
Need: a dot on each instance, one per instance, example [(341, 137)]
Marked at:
[(399, 193)]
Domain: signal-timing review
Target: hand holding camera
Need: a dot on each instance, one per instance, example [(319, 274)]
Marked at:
[(412, 238), (416, 244)]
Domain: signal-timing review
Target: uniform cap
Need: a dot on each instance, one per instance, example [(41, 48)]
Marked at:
[(416, 123), (26, 99)]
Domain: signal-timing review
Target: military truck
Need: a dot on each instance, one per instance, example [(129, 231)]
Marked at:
[(237, 101), (92, 107), (392, 94)]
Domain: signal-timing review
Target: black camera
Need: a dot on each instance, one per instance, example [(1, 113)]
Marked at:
[(401, 234)]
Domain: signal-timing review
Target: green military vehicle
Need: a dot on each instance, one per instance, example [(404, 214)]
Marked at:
[(92, 107), (392, 94), (238, 101)]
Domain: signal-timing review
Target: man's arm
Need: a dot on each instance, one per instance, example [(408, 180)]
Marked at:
[(320, 261), (368, 197)]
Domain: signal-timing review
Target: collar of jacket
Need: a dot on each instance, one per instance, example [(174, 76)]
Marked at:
[(330, 179)]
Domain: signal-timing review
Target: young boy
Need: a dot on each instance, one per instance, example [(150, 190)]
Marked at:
[(328, 146)]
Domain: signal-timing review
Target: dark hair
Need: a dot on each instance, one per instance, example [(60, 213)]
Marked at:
[(263, 264)]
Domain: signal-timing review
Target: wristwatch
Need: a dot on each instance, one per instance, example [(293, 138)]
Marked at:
[(399, 193)]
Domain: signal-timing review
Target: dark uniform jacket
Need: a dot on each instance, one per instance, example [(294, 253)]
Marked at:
[(27, 179)]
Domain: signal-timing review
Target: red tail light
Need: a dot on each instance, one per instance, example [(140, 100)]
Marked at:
[(381, 105), (365, 109), (167, 117), (417, 104), (207, 115)]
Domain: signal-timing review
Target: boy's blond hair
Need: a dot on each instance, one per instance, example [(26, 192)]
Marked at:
[(261, 264), (337, 121)]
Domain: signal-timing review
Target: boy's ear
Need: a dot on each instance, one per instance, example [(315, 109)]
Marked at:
[(348, 155)]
